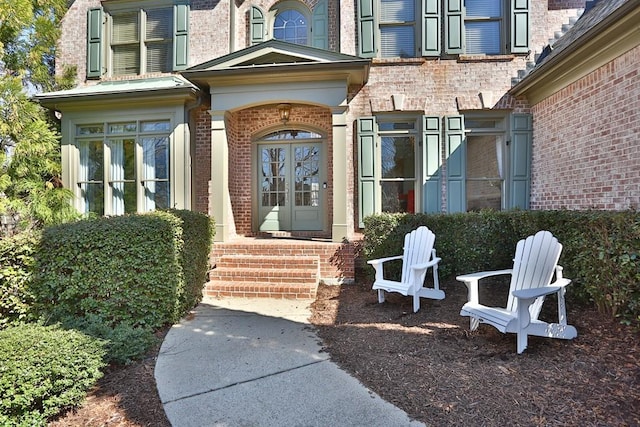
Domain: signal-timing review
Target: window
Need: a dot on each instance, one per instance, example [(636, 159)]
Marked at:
[(452, 163), (483, 27), (136, 41), (141, 42), (397, 28), (124, 166), (413, 28), (398, 166), (293, 22), (291, 26)]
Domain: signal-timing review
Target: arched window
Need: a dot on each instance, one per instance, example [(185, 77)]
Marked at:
[(291, 25), (293, 22)]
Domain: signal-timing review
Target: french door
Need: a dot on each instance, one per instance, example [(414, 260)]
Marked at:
[(290, 186)]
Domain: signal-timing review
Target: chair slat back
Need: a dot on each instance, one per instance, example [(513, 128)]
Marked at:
[(417, 249), (533, 266)]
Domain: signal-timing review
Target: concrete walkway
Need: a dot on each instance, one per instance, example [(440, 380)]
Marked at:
[(258, 362)]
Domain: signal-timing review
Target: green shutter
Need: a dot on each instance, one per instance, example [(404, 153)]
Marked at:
[(454, 27), (366, 29), (520, 154), (456, 163), (366, 168), (257, 25), (431, 28), (94, 43), (519, 26), (320, 26), (180, 36), (432, 164)]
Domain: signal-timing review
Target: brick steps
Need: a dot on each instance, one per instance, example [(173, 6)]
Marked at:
[(263, 276)]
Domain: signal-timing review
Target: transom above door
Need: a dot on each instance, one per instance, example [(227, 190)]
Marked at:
[(291, 181)]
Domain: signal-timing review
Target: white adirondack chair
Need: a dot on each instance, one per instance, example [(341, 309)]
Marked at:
[(534, 265), (419, 255)]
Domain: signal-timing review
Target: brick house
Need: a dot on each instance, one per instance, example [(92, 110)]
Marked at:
[(296, 119)]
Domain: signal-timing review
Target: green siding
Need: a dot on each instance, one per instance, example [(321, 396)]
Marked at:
[(257, 25), (456, 164), (520, 26), (94, 43), (181, 37), (432, 164), (430, 27), (520, 153), (320, 27), (366, 29), (366, 168), (454, 27)]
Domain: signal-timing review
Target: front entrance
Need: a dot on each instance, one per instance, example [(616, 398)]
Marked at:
[(291, 180)]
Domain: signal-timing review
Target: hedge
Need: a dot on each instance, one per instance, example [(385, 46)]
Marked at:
[(45, 370), (16, 268), (601, 249)]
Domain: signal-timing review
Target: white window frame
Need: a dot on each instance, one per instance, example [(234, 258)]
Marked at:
[(140, 181), (285, 6)]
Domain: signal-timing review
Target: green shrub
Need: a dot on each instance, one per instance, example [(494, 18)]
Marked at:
[(120, 270), (601, 252), (123, 343), (197, 234), (43, 371), (16, 269)]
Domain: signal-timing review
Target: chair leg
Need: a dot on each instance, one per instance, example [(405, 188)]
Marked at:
[(522, 341), (474, 322), (380, 296), (416, 303)]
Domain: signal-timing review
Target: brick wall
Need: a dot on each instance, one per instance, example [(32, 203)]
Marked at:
[(242, 129), (586, 150)]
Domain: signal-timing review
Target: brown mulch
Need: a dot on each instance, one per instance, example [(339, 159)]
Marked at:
[(432, 367)]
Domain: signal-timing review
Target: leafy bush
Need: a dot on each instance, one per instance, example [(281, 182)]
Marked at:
[(197, 235), (601, 249), (44, 370), (16, 268), (120, 270), (123, 343)]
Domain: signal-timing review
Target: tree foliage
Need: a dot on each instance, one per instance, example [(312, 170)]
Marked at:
[(30, 184)]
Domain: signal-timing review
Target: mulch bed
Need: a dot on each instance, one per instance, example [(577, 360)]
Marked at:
[(432, 367)]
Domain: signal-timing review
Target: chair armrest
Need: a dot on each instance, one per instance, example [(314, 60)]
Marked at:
[(542, 291), (426, 265), (474, 277), (383, 260)]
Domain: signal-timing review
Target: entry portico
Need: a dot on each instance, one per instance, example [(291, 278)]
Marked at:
[(315, 84)]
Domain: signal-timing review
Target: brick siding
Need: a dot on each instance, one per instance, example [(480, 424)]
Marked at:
[(586, 146)]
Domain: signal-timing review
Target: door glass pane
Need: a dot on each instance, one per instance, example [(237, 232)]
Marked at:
[(273, 176), (122, 176), (306, 175), (155, 172), (484, 172), (91, 176)]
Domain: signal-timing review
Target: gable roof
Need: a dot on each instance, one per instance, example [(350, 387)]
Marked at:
[(276, 58), (607, 30)]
